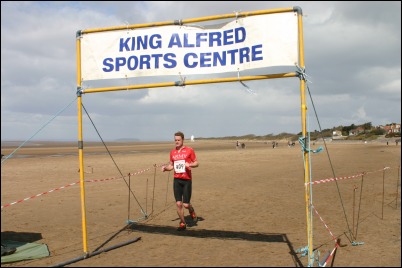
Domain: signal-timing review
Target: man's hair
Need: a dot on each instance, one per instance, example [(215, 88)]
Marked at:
[(179, 133)]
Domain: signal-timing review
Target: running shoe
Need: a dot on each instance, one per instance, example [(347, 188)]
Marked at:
[(194, 216), (181, 227)]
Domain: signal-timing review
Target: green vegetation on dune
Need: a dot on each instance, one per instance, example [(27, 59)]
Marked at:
[(366, 132)]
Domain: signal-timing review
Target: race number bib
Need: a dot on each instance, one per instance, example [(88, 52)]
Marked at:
[(180, 166)]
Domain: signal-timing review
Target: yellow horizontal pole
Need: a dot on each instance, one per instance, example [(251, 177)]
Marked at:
[(186, 21), (193, 82)]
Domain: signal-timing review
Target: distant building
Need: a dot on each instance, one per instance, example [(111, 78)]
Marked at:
[(392, 128), (337, 135), (356, 131)]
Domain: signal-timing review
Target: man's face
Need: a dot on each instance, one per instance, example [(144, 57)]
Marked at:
[(178, 141)]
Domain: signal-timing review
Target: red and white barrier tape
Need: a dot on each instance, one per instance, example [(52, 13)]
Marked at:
[(326, 226), (333, 237), (68, 185), (31, 197), (343, 178), (330, 255)]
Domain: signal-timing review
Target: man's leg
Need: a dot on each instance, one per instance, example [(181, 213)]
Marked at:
[(178, 195), (191, 211), (180, 212)]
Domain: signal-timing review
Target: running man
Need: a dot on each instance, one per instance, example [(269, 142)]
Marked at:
[(182, 160)]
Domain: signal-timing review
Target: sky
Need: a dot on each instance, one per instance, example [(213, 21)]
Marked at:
[(352, 56)]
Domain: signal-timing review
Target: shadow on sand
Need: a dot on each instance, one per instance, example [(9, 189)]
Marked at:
[(216, 234), (21, 236)]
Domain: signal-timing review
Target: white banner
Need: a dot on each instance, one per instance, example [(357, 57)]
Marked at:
[(246, 43)]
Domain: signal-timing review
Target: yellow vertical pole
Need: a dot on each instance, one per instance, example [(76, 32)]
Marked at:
[(304, 134), (81, 145)]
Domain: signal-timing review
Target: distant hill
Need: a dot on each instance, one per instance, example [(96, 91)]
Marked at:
[(284, 135)]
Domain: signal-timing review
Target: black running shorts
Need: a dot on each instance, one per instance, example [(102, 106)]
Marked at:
[(182, 190)]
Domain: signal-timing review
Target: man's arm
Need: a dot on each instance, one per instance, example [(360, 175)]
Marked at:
[(167, 167), (192, 164)]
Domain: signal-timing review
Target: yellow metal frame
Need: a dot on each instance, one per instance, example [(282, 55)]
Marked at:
[(80, 91)]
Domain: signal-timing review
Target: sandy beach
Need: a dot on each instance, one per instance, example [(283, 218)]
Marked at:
[(250, 203)]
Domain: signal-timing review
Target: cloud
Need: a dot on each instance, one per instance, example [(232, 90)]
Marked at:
[(352, 58)]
